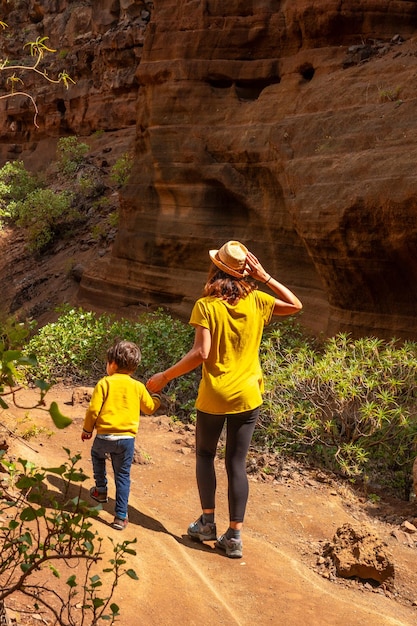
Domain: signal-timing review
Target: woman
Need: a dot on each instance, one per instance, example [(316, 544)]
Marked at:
[(229, 319)]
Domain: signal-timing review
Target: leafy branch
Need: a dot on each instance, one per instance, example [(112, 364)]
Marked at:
[(52, 532), (38, 48), (16, 368)]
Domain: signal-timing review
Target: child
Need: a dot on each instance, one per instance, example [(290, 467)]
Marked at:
[(114, 411)]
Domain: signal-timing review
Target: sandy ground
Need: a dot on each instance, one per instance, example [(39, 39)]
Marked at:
[(180, 581)]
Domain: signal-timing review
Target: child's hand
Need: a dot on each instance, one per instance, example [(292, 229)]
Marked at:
[(85, 435)]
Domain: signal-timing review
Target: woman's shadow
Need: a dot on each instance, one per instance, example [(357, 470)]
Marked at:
[(67, 494)]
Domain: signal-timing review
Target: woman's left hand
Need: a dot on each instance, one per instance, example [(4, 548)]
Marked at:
[(156, 382)]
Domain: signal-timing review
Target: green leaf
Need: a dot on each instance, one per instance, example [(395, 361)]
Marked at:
[(3, 404), (71, 582), (29, 360), (25, 482), (132, 574), (54, 571), (60, 420), (43, 385), (11, 355), (28, 515)]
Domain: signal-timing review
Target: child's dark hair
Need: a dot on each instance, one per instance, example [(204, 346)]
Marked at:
[(125, 354)]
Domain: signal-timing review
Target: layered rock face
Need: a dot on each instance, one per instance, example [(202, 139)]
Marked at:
[(99, 44), (288, 126)]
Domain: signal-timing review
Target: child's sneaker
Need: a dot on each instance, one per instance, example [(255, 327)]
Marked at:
[(232, 547), (120, 524), (202, 532), (99, 496)]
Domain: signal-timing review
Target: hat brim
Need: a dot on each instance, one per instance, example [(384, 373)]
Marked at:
[(225, 268)]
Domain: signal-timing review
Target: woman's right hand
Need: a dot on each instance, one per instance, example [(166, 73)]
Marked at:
[(255, 268)]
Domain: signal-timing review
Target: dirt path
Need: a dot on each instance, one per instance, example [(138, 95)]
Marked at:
[(277, 581)]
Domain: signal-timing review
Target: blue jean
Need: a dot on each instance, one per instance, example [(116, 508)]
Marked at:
[(121, 453)]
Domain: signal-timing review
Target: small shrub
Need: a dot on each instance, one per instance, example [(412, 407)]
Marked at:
[(349, 405), (114, 219), (45, 536), (70, 155), (40, 213), (121, 170), (87, 185), (77, 345), (389, 94), (16, 183)]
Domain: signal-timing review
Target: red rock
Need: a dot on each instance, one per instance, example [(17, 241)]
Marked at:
[(292, 129)]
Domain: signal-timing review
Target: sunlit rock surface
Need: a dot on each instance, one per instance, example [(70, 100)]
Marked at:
[(289, 126)]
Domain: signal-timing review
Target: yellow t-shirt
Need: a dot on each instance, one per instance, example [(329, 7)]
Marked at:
[(116, 404), (232, 379)]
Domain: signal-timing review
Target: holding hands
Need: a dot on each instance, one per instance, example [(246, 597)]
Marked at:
[(157, 382)]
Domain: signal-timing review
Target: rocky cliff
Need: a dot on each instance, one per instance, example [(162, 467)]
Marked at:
[(289, 126)]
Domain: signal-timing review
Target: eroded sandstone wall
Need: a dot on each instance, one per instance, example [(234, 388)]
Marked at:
[(290, 126), (98, 43)]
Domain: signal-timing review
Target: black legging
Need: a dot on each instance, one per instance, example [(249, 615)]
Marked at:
[(239, 431)]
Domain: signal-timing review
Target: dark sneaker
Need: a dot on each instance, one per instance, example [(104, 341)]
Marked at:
[(232, 547), (202, 532), (120, 524), (99, 496)]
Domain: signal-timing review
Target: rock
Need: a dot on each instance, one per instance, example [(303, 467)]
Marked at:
[(408, 539), (77, 271), (358, 552), (81, 395), (279, 125), (249, 127), (141, 458), (408, 527)]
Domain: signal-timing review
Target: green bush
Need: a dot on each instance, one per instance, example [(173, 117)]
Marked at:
[(74, 349), (121, 170), (349, 405), (16, 183), (70, 154), (41, 212)]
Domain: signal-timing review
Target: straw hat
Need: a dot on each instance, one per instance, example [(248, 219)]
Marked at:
[(231, 258)]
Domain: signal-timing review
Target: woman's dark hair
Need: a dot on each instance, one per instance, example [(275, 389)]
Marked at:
[(227, 287), (125, 354)]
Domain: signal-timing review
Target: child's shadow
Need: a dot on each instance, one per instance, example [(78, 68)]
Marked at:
[(66, 493)]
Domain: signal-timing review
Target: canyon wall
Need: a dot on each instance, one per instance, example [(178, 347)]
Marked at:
[(289, 126), (99, 44)]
